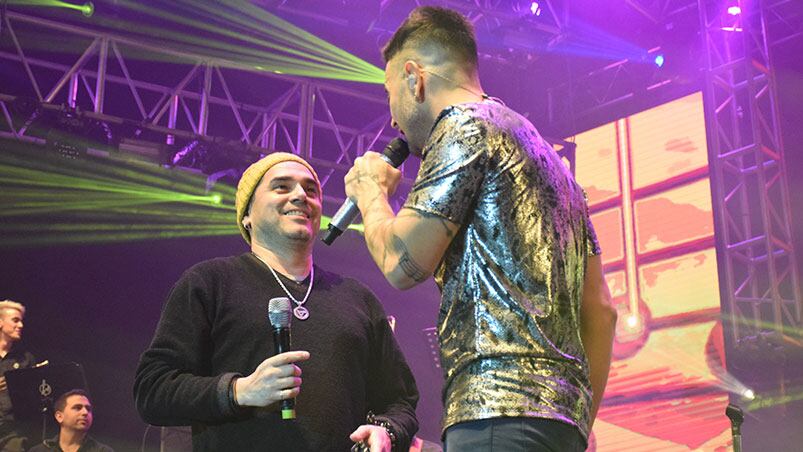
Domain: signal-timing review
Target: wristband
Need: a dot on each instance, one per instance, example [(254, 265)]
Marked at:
[(371, 419)]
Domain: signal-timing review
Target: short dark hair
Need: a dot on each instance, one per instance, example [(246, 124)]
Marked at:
[(434, 25), (61, 402)]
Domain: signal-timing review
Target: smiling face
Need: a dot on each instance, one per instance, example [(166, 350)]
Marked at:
[(77, 414), (11, 324), (286, 205)]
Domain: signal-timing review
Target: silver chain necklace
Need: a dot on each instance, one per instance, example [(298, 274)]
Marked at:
[(300, 312)]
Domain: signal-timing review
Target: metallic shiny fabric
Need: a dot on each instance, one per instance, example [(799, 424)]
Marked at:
[(512, 278)]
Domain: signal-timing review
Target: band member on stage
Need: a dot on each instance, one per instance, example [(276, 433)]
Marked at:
[(525, 322), (210, 365), (73, 412), (12, 357)]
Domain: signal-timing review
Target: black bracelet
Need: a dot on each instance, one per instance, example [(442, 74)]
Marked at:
[(371, 419)]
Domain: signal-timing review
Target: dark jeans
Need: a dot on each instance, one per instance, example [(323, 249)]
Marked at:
[(515, 434)]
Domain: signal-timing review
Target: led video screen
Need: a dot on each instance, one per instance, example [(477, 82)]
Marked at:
[(647, 181)]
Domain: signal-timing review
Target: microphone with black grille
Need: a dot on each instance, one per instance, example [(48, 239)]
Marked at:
[(395, 153), (279, 316)]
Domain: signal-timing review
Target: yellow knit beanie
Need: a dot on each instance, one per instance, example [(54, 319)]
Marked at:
[(252, 176)]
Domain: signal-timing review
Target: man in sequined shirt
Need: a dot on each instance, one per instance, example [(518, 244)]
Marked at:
[(525, 322)]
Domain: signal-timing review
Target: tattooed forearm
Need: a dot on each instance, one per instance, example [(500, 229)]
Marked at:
[(406, 262)]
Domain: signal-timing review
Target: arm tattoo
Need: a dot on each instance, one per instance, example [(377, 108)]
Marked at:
[(406, 262), (445, 227)]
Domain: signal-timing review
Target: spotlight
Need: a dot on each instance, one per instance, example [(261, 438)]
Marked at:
[(216, 198), (749, 394), (659, 60), (632, 329), (734, 10), (71, 134), (632, 324), (535, 9), (88, 9), (220, 160), (190, 155)]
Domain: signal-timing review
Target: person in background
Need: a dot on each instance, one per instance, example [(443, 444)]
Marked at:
[(73, 413), (12, 357)]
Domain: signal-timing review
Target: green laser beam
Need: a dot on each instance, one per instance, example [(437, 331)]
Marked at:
[(333, 62), (284, 31), (263, 16), (787, 330), (239, 56), (50, 200), (771, 400)]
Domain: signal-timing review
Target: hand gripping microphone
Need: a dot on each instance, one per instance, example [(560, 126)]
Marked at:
[(395, 153), (279, 316)]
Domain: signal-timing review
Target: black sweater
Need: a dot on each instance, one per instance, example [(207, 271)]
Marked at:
[(214, 326)]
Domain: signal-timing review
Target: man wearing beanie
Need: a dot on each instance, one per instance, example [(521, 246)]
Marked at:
[(211, 362)]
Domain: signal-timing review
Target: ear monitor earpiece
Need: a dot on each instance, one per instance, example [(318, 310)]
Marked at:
[(411, 81)]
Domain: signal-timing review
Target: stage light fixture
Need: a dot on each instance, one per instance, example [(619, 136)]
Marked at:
[(88, 9), (659, 60), (221, 161), (734, 23), (70, 133), (535, 9), (748, 394)]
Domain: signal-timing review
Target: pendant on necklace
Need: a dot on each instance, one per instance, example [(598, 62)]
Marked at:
[(301, 313)]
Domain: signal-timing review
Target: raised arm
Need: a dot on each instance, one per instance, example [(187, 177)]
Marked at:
[(406, 247), (597, 326)]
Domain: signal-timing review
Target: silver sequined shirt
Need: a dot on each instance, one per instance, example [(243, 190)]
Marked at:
[(511, 281)]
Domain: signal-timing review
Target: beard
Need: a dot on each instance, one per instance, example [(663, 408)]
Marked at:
[(273, 233), (418, 134)]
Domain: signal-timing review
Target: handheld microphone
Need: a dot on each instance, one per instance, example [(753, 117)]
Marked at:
[(395, 153), (279, 316)]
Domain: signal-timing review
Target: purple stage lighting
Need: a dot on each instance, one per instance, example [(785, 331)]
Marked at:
[(734, 10), (535, 8)]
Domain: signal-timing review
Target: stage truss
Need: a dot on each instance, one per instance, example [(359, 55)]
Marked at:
[(761, 289), (307, 117), (760, 284), (302, 117)]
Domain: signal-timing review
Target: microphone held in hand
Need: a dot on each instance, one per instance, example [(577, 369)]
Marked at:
[(395, 153), (279, 316)]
